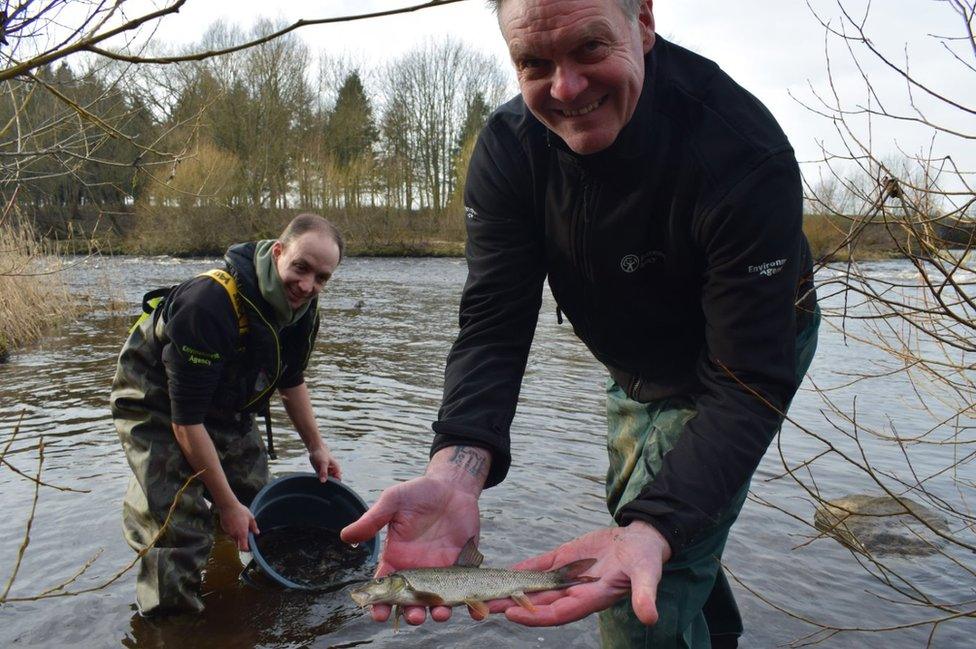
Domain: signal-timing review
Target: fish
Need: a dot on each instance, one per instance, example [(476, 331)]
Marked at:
[(467, 583)]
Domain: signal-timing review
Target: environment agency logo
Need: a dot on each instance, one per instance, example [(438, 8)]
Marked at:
[(632, 263), (768, 268)]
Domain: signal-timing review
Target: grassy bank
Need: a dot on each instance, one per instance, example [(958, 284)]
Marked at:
[(207, 231), (33, 297), (829, 236), (409, 249), (369, 231)]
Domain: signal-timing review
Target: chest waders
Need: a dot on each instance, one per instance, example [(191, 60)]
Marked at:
[(694, 600), (174, 540)]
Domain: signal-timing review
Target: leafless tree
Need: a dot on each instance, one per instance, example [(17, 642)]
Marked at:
[(921, 325), (62, 123), (427, 93)]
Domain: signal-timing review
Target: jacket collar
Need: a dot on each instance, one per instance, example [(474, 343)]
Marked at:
[(240, 262)]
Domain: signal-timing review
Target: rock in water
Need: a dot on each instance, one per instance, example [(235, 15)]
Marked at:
[(881, 525)]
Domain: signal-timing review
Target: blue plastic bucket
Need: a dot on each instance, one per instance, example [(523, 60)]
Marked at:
[(300, 499)]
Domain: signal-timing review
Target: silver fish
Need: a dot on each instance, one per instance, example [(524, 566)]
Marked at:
[(466, 583)]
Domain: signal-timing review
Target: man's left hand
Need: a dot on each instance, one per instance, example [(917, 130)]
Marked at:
[(628, 560), (324, 464)]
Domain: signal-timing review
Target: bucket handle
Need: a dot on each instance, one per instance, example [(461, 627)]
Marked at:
[(246, 577)]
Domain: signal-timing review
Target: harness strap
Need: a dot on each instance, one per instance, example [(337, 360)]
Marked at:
[(227, 280), (150, 301), (229, 283), (267, 428)]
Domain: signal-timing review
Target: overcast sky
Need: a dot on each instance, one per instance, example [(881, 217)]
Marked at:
[(772, 47)]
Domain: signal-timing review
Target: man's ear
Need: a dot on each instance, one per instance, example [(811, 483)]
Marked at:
[(645, 18), (276, 249)]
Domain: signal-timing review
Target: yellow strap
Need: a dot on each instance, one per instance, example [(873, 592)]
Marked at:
[(227, 280), (153, 303)]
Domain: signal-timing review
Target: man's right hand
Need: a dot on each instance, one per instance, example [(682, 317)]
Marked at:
[(237, 520), (429, 520), (200, 453)]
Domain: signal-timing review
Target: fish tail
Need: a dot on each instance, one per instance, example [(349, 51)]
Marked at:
[(573, 572)]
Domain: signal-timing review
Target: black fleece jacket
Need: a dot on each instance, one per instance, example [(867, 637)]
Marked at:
[(679, 258), (212, 370)]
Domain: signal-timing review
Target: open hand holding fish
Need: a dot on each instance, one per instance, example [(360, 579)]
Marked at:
[(467, 583)]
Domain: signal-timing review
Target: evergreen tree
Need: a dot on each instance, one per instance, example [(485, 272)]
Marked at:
[(474, 121), (352, 128)]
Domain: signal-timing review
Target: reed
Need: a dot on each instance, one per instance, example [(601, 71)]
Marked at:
[(33, 296)]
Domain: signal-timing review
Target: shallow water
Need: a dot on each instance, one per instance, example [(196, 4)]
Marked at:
[(375, 381)]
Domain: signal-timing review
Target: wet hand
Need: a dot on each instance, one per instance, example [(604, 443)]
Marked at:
[(429, 520), (237, 521), (324, 463), (629, 560)]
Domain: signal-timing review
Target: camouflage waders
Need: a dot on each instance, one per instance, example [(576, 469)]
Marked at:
[(694, 600), (170, 572)]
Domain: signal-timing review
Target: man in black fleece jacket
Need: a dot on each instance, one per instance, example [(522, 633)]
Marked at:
[(663, 203), (189, 381)]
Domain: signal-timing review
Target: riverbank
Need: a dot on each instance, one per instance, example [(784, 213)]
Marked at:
[(408, 249), (369, 231), (839, 238), (382, 232), (830, 240), (423, 248)]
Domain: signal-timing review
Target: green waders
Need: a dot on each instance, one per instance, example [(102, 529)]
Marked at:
[(170, 572), (695, 603)]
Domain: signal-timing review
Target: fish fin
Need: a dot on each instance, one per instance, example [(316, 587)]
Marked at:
[(480, 609), (397, 611), (428, 599), (469, 557), (523, 601), (572, 572)]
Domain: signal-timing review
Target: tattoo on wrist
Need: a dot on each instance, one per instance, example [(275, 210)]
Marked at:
[(470, 459)]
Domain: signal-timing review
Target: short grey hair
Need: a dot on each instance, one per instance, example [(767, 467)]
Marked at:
[(309, 222), (630, 7)]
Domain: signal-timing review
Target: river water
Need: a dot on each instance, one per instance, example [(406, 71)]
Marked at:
[(375, 381)]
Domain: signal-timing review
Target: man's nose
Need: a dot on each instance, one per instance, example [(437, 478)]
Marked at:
[(568, 83)]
